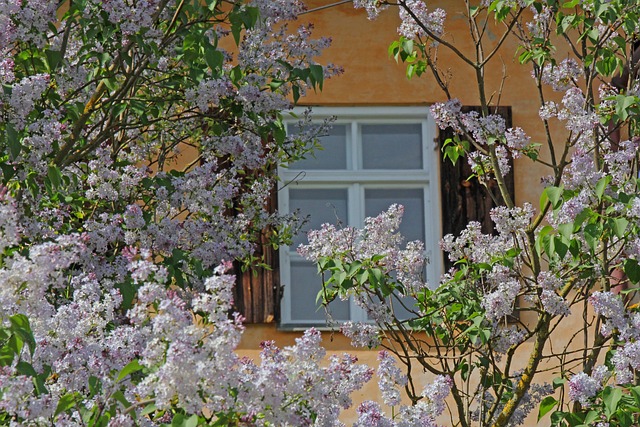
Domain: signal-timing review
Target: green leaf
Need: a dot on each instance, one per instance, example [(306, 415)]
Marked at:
[(213, 57), (119, 396), (592, 234), (54, 175), (407, 46), (394, 49), (133, 366), (611, 397), (65, 403), (566, 230), (557, 417), (39, 383), (619, 226), (317, 75), (20, 327), (554, 194), (20, 321), (602, 185), (25, 368), (53, 58), (558, 382), (150, 408), (547, 404), (544, 232), (623, 106), (178, 420), (95, 385), (13, 141), (632, 270), (590, 418), (296, 93), (561, 248), (192, 421)]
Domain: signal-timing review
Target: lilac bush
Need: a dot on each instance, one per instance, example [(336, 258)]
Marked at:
[(555, 288), (139, 145)]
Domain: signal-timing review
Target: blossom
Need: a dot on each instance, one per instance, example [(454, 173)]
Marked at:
[(370, 415), (390, 379), (516, 139), (499, 303), (361, 334), (582, 388), (562, 76), (447, 114), (24, 95), (373, 7), (554, 304), (418, 21)]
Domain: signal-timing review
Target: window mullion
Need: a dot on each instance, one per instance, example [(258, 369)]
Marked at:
[(355, 151)]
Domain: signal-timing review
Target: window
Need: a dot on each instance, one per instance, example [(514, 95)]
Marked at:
[(373, 157)]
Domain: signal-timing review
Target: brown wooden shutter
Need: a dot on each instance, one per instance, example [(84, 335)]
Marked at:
[(258, 292), (464, 199)]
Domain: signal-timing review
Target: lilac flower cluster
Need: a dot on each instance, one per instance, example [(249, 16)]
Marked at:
[(373, 7), (500, 303), (507, 337), (540, 24), (447, 114), (390, 380), (24, 94), (626, 327), (576, 112), (422, 414), (361, 334), (472, 244), (425, 23), (563, 76), (582, 388)]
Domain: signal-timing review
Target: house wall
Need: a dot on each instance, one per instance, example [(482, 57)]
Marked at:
[(372, 78)]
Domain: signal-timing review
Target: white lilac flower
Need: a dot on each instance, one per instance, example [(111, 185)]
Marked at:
[(425, 22), (361, 334), (500, 303), (554, 304), (391, 378), (373, 7), (516, 139), (611, 307), (370, 415), (562, 76), (447, 114), (583, 388)]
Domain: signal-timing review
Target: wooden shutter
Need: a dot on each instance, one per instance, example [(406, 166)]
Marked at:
[(258, 292), (464, 199)]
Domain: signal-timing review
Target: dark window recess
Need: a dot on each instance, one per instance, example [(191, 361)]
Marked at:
[(257, 292), (465, 199)]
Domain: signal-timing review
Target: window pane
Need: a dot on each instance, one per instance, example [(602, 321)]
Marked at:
[(319, 206), (305, 285), (333, 154), (392, 146), (412, 226), (401, 308)]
